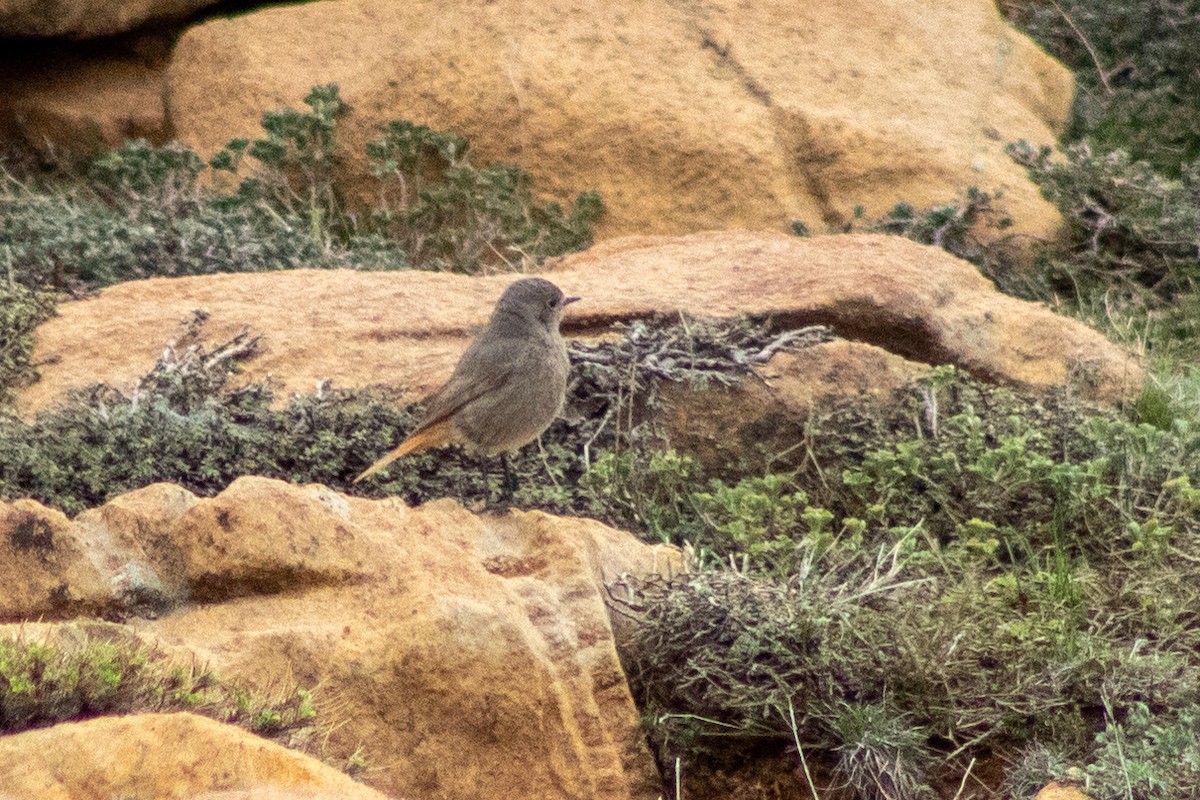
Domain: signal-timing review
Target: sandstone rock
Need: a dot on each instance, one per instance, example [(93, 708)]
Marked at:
[(684, 117), (1060, 791), (835, 371), (162, 756), (469, 651), (405, 331), (83, 19), (456, 650), (263, 537), (771, 412), (67, 104), (115, 560), (45, 566)]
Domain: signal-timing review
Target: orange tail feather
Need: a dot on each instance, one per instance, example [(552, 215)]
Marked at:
[(438, 435)]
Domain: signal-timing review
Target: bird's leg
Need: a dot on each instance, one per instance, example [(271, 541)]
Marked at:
[(510, 480)]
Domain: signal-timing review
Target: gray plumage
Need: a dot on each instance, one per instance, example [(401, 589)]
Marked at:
[(508, 386)]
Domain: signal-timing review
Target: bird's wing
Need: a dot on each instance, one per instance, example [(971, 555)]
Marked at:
[(483, 368)]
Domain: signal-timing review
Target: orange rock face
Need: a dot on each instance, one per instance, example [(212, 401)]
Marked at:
[(405, 331), (1061, 791), (45, 565), (722, 424), (83, 19), (165, 756), (717, 115), (69, 104), (458, 651)]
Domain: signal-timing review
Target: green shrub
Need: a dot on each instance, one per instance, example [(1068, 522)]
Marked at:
[(1137, 70), (21, 310), (1148, 755), (467, 217), (1127, 225), (143, 210), (645, 491), (91, 670), (756, 521), (965, 573)]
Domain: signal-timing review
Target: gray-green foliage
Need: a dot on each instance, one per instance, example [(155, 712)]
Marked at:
[(881, 755), (88, 671), (21, 310), (462, 216), (144, 210), (1127, 225), (1137, 69), (969, 571), (141, 212)]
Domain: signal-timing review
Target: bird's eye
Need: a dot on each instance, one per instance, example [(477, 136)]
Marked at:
[(551, 303)]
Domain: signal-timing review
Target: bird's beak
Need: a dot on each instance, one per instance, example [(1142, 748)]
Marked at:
[(568, 300)]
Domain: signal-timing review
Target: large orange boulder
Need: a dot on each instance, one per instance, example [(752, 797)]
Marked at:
[(164, 756), (684, 117), (46, 567), (899, 301), (455, 650)]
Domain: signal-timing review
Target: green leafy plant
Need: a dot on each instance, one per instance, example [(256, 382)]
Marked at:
[(21, 311), (970, 571), (646, 490), (90, 669), (881, 756), (450, 215), (143, 210), (759, 520)]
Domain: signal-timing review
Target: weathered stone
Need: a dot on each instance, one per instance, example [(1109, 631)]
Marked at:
[(722, 424), (713, 115), (456, 650), (46, 569), (164, 756), (1061, 791), (405, 331)]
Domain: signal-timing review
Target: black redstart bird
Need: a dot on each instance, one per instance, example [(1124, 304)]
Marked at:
[(508, 386)]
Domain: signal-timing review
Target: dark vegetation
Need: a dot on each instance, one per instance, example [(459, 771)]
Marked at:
[(959, 577)]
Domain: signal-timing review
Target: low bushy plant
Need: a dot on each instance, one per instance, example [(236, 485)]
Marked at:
[(466, 217), (145, 210), (971, 571), (21, 311), (93, 669), (1127, 225), (1135, 68)]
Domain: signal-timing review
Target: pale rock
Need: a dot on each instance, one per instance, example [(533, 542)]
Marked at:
[(164, 756), (685, 117), (405, 331)]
